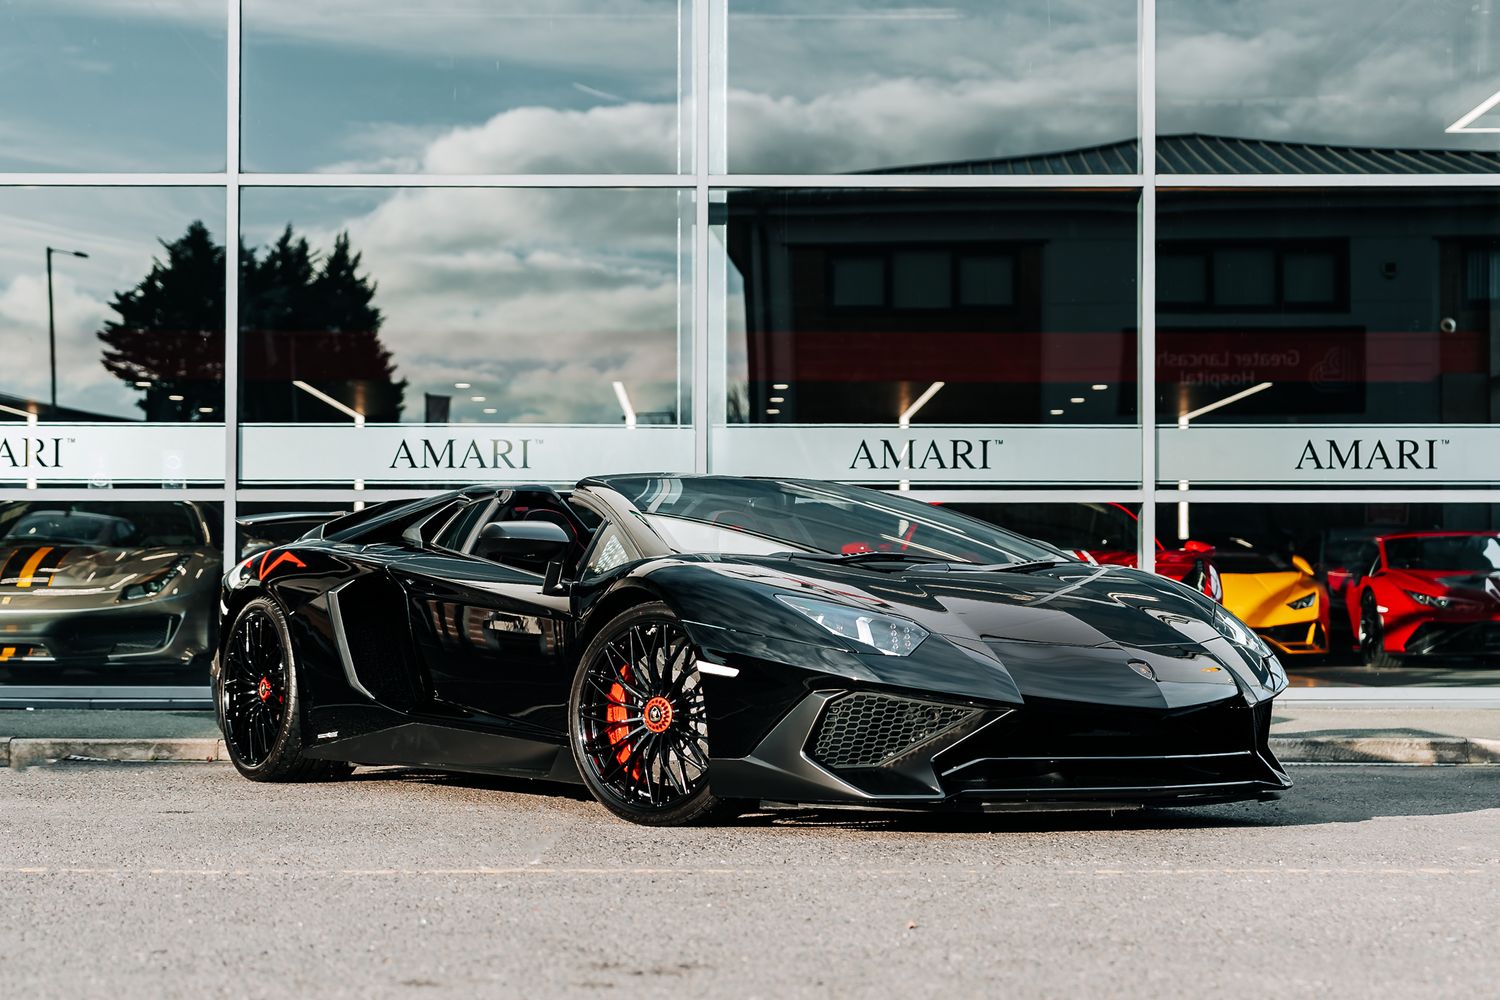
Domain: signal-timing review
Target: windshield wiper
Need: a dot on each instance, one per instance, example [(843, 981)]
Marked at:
[(860, 557), (1025, 567)]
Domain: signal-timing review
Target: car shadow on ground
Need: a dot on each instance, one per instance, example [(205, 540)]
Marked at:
[(1323, 794)]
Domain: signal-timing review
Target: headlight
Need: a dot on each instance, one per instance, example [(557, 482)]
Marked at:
[(888, 635), (156, 582), (1430, 600), (1305, 601), (1239, 633)]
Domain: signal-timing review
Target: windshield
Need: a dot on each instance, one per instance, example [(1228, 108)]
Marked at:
[(1476, 553), (751, 516), (104, 523)]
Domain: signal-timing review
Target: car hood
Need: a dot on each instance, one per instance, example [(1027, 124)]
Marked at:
[(1460, 583), (62, 571), (1068, 632)]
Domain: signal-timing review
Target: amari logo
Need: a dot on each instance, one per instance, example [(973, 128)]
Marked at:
[(495, 453), (31, 452), (1418, 454), (928, 454)]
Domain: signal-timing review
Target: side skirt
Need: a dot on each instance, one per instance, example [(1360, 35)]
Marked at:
[(447, 748)]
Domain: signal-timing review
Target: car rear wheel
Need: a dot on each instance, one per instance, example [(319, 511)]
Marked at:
[(1372, 636), (638, 728), (257, 699)]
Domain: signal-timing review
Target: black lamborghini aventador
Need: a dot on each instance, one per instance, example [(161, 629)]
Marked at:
[(685, 645)]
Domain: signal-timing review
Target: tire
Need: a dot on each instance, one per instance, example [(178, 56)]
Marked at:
[(1372, 636), (258, 699), (636, 721)]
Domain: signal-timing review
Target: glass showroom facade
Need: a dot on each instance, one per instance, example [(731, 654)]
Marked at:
[(1173, 283)]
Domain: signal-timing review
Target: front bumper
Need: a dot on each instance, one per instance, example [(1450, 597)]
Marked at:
[(1309, 638), (1042, 754), (1455, 638), (154, 633)]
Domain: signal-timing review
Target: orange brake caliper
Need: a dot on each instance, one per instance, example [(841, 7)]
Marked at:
[(618, 728)]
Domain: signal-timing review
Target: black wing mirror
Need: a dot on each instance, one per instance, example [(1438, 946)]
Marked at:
[(523, 541)]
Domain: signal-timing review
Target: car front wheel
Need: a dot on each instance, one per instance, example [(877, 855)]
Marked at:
[(638, 727)]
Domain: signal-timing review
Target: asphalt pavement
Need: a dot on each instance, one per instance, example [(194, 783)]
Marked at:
[(160, 880)]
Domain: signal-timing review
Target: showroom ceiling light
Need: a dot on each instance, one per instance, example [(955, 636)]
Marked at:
[(779, 386), (344, 408), (1056, 413), (778, 399), (625, 407), (491, 410), (1076, 399), (904, 420), (176, 397), (773, 412), (1182, 421), (476, 399), (143, 385), (461, 385), (1100, 386), (1465, 123)]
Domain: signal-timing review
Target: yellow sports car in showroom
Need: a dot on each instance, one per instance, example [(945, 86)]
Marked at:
[(1276, 595)]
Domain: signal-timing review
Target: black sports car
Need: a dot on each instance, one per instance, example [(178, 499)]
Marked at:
[(684, 645)]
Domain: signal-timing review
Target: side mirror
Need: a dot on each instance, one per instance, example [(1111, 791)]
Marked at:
[(1302, 564), (523, 541)]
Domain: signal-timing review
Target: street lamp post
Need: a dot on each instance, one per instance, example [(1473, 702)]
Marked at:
[(51, 327)]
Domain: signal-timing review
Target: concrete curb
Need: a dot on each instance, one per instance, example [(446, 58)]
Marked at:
[(1385, 750), (20, 752)]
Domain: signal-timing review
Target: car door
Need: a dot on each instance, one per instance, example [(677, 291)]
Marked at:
[(495, 646)]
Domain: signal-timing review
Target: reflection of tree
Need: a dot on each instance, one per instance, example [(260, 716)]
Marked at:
[(303, 321), (300, 319), (170, 331)]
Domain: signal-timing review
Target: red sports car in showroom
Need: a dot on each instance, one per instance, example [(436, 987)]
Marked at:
[(1429, 593), (1106, 533)]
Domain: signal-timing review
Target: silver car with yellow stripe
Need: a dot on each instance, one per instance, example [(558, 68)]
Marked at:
[(105, 585)]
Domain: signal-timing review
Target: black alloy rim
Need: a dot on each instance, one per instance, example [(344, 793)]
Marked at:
[(1369, 629), (255, 687), (641, 721)]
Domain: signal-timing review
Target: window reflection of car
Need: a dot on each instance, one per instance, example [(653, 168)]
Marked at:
[(259, 532), (108, 585), (1431, 593), (1277, 595), (1106, 533)]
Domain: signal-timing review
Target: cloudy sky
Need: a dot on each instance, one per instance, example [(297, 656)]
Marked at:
[(544, 298)]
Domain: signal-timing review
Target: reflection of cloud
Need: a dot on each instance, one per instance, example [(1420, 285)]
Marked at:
[(1381, 73), (538, 298), (119, 230), (82, 381)]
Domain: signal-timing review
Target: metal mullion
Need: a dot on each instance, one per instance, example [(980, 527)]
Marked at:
[(1327, 180), (112, 179), (1300, 494), (72, 494), (232, 284), (1083, 494), (1146, 280), (469, 180), (898, 182), (702, 39), (333, 494)]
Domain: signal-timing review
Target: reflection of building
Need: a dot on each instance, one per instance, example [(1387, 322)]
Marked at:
[(855, 302), (1360, 305)]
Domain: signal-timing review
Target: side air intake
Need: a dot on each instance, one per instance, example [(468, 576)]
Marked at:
[(868, 730)]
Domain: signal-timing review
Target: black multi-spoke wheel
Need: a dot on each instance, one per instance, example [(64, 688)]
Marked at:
[(255, 692), (1372, 636), (639, 729)]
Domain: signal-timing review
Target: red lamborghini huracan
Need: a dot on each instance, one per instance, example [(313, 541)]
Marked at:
[(1429, 593)]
